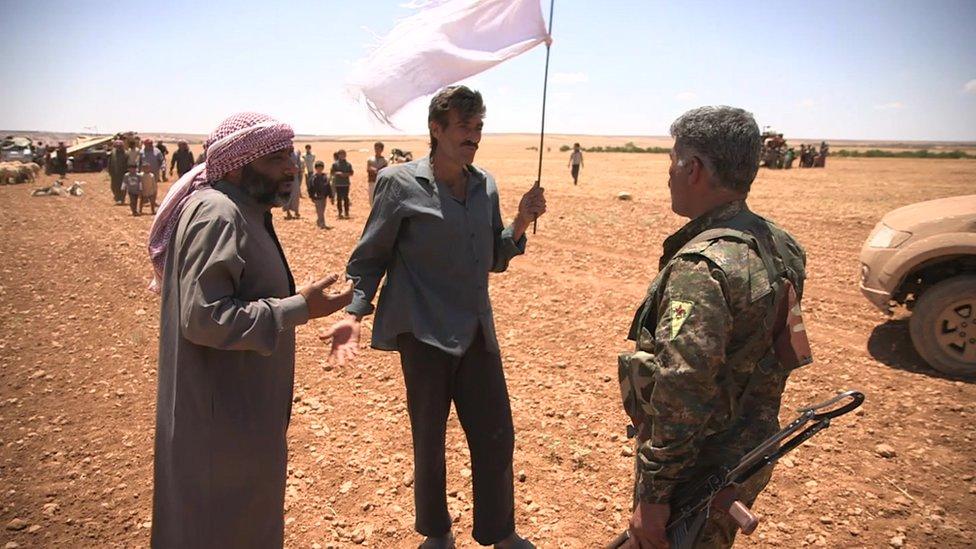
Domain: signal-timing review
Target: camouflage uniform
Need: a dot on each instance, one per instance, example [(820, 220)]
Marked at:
[(703, 382)]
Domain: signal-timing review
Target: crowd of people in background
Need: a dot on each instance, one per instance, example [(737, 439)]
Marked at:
[(811, 157), (148, 163), (135, 174), (53, 159), (778, 155)]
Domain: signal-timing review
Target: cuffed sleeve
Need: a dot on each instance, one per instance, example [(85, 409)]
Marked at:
[(373, 254), (294, 311), (210, 315), (693, 329)]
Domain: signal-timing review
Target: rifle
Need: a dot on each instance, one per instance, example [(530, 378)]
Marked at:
[(717, 491)]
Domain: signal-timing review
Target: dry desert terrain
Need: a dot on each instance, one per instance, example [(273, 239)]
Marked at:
[(78, 343)]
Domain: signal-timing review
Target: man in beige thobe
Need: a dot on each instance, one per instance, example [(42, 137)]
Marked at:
[(227, 343)]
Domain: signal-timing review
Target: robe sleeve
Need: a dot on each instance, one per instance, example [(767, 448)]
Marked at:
[(211, 315)]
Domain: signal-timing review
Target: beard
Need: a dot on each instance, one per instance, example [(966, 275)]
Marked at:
[(263, 189)]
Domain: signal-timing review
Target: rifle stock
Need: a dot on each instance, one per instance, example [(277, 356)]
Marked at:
[(744, 517)]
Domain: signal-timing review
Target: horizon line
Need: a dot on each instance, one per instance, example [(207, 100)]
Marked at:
[(366, 136)]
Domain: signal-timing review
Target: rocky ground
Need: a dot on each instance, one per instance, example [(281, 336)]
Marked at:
[(78, 343)]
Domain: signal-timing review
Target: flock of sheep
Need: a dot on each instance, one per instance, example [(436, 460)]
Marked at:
[(18, 172)]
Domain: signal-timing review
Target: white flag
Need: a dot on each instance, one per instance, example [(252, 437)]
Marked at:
[(443, 44)]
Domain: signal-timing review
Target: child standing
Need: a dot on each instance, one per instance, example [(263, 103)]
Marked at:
[(341, 171), (319, 190), (132, 185), (148, 188), (373, 167)]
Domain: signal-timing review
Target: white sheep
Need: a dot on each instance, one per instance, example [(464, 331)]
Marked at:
[(7, 172), (17, 172), (25, 174)]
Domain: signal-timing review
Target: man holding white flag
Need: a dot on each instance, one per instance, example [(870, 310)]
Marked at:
[(435, 232)]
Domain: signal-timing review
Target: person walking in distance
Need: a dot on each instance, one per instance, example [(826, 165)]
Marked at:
[(575, 162)]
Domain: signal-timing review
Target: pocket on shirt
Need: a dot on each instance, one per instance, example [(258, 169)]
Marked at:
[(636, 373)]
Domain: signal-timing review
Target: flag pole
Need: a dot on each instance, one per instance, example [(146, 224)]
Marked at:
[(542, 130)]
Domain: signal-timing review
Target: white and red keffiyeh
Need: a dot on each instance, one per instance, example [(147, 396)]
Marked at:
[(239, 140)]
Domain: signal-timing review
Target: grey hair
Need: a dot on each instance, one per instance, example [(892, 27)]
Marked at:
[(725, 138)]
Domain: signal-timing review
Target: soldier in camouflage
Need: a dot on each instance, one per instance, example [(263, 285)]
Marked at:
[(703, 385)]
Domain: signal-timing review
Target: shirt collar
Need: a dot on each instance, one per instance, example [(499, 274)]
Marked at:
[(699, 225), (425, 170)]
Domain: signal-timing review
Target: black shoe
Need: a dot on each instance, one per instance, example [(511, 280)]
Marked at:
[(514, 542), (444, 542)]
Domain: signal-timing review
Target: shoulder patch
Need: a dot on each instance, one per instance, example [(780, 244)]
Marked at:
[(679, 311)]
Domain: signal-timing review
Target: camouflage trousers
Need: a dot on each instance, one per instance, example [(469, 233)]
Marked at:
[(720, 529)]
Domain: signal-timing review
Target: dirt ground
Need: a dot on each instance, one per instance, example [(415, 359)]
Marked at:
[(78, 344)]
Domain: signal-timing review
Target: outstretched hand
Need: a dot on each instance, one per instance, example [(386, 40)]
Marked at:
[(345, 339)]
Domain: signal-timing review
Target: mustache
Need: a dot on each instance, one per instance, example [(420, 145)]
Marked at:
[(469, 144)]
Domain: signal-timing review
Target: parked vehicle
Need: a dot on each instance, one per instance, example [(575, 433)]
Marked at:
[(923, 257), (16, 149), (89, 154)]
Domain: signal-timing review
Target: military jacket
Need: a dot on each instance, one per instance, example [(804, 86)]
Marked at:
[(700, 343)]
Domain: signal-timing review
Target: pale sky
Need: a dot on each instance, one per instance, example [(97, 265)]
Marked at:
[(854, 69)]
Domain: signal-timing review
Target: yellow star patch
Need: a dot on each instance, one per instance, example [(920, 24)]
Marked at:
[(679, 311)]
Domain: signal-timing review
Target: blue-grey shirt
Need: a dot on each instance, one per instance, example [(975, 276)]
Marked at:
[(436, 252), (152, 157)]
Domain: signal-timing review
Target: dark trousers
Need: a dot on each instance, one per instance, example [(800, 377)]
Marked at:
[(475, 383), (118, 194), (147, 199), (574, 170), (342, 198)]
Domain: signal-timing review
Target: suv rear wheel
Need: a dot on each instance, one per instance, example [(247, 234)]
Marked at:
[(943, 326)]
